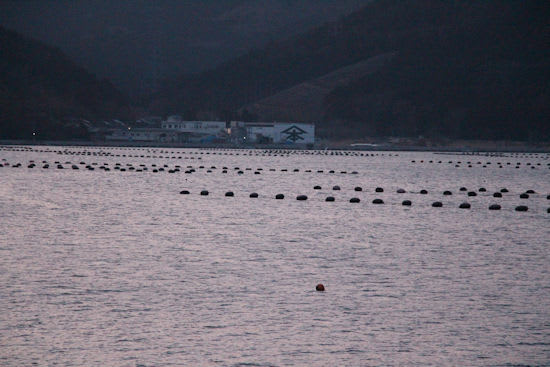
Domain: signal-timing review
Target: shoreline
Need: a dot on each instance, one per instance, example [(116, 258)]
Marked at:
[(475, 146)]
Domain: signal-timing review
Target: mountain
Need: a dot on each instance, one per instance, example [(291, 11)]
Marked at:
[(459, 69), (137, 43), (42, 90), (305, 101)]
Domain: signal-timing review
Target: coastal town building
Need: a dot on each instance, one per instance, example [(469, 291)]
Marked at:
[(176, 130), (142, 135), (274, 132)]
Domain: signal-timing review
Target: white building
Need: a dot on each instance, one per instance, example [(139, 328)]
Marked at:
[(277, 132), (175, 123), (143, 135), (176, 130)]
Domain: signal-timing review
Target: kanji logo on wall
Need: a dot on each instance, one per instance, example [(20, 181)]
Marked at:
[(294, 133)]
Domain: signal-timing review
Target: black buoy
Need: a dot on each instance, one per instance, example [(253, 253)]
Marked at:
[(521, 208), (406, 203), (378, 201), (437, 204), (379, 189), (320, 288), (463, 189), (494, 207), (354, 200), (524, 196), (279, 196), (472, 193), (301, 197), (254, 195), (464, 206), (482, 189), (229, 194), (401, 191), (336, 187), (447, 193), (504, 190), (358, 188), (423, 192), (497, 195), (317, 187), (204, 193), (530, 191), (330, 198), (184, 192)]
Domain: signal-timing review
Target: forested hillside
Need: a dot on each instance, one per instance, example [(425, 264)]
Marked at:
[(136, 43), (42, 90), (462, 69)]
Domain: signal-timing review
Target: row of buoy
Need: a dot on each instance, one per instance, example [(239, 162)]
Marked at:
[(524, 195), (377, 201), (478, 163), (174, 154), (177, 168), (254, 151), (499, 165), (226, 152), (105, 151), (179, 155), (190, 169), (499, 154)]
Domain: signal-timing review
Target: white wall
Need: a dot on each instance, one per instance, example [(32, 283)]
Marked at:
[(253, 132), (281, 132), (197, 127), (294, 133), (141, 135)]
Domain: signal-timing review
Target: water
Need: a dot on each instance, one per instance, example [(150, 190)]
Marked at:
[(118, 269)]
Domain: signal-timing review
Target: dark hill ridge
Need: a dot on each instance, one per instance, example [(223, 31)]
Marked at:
[(465, 69), (134, 43), (40, 88), (305, 101)]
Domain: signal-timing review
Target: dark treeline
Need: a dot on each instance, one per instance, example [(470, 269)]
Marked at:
[(43, 91), (136, 43), (463, 69), (473, 70), (458, 69)]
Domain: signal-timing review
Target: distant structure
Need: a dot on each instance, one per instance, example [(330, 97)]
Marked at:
[(142, 135), (272, 132), (176, 130), (195, 131)]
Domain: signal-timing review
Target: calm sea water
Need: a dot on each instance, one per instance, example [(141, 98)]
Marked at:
[(118, 269)]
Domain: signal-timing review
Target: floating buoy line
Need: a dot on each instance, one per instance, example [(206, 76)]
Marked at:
[(84, 154), (356, 200)]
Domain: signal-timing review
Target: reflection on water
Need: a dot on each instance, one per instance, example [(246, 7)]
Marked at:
[(117, 268)]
